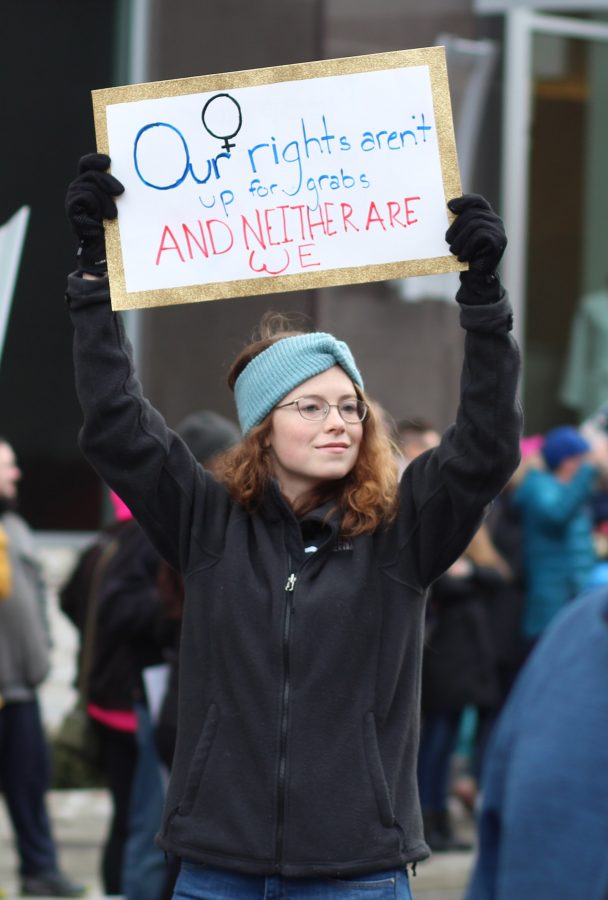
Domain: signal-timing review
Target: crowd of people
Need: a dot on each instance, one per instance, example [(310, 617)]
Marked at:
[(540, 549), (327, 597)]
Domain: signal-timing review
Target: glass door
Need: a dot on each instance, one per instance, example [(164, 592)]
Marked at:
[(555, 204)]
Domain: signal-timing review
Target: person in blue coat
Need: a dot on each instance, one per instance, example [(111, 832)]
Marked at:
[(543, 828), (558, 551)]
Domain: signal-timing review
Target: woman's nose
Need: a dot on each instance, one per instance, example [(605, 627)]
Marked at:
[(334, 419)]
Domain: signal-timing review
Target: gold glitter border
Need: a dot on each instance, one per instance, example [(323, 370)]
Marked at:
[(432, 57)]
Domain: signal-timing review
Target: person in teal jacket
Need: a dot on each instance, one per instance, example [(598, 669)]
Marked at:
[(558, 552)]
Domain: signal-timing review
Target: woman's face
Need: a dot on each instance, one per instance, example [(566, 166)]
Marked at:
[(305, 453)]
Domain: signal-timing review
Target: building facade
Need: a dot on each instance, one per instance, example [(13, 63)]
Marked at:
[(405, 336)]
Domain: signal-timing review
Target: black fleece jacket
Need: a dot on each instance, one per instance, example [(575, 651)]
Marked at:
[(299, 682)]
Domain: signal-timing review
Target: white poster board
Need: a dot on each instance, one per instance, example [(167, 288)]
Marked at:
[(294, 177), (12, 238)]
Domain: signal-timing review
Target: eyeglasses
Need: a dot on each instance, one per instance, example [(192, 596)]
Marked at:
[(315, 409)]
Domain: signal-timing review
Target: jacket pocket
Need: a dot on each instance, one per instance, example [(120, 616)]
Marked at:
[(376, 771), (199, 759)]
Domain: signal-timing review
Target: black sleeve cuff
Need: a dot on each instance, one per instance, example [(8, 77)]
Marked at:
[(478, 289), (86, 291), (491, 317)]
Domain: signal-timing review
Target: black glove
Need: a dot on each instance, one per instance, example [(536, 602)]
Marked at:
[(477, 235), (89, 200)]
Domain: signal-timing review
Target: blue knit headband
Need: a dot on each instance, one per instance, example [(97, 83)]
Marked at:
[(283, 366)]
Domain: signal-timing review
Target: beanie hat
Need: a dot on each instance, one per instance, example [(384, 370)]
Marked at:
[(207, 433), (563, 443), (122, 512), (283, 366), (530, 445)]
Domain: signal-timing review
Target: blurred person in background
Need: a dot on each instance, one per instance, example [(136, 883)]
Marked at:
[(504, 522), (135, 628), (459, 670), (415, 436), (24, 664), (119, 623), (554, 501), (543, 827)]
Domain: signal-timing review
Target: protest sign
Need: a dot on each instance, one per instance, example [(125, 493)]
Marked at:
[(12, 238), (294, 177)]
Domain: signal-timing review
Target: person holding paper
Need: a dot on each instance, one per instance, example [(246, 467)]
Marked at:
[(306, 565)]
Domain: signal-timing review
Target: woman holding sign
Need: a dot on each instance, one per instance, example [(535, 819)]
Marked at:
[(306, 569)]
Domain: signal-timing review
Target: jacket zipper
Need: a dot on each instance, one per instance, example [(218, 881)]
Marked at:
[(289, 589)]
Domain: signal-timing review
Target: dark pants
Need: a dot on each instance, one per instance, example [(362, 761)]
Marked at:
[(437, 743), (119, 756), (24, 778)]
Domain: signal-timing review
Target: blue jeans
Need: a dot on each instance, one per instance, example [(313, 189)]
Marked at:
[(208, 883), (144, 867)]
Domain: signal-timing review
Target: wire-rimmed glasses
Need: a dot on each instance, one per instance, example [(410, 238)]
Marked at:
[(315, 409)]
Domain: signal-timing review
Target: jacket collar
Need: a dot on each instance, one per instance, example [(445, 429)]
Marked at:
[(275, 508)]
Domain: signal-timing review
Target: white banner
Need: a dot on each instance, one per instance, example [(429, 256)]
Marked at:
[(310, 175), (12, 238)]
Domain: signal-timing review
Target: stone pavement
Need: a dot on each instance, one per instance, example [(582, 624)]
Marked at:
[(80, 817), (79, 822)]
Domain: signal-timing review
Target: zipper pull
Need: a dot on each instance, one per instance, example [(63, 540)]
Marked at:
[(291, 583)]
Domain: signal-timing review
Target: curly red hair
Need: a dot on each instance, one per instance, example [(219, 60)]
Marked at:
[(365, 499)]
